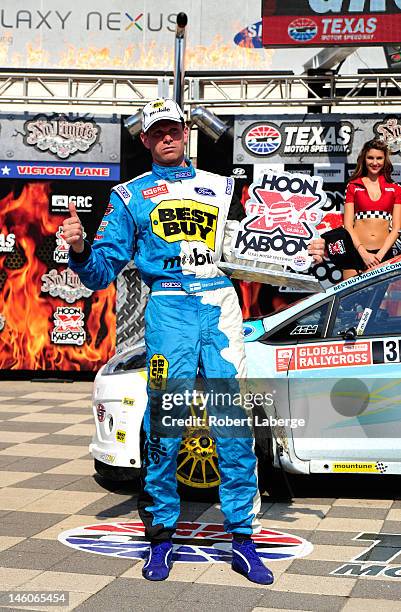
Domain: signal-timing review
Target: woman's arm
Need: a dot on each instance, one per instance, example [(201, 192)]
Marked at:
[(393, 235)]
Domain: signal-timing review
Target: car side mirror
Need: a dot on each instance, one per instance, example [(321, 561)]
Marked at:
[(348, 334)]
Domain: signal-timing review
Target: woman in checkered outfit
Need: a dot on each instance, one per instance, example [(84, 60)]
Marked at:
[(372, 210)]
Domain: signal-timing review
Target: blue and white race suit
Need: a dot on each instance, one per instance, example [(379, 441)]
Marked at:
[(176, 222)]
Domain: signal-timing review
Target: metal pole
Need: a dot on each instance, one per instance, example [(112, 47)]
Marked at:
[(179, 53)]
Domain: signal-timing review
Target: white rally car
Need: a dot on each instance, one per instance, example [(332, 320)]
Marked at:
[(332, 363)]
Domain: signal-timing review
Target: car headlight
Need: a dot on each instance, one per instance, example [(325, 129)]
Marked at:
[(131, 359)]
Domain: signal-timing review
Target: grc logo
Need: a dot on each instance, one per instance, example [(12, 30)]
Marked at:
[(193, 542), (176, 220), (152, 192)]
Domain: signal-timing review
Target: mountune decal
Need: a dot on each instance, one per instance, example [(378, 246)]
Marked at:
[(193, 542)]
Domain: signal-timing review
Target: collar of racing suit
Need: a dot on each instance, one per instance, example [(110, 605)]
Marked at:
[(174, 173)]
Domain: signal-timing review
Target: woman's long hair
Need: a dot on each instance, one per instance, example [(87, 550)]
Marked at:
[(361, 169)]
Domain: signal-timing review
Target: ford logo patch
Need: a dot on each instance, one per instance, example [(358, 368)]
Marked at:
[(248, 330), (205, 191)]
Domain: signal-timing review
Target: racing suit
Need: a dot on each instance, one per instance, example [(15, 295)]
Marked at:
[(176, 221)]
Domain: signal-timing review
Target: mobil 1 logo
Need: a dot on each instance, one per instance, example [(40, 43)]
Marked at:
[(59, 203)]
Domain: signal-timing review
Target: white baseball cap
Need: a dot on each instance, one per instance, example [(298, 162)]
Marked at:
[(157, 110)]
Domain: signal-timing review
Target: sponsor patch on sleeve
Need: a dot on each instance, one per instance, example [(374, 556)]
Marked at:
[(229, 186), (123, 192)]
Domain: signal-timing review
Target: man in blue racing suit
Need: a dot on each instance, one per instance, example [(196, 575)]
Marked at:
[(178, 221)]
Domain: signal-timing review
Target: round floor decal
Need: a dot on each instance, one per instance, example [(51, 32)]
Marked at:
[(193, 542)]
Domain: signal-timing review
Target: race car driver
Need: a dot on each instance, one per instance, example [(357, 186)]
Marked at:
[(177, 222)]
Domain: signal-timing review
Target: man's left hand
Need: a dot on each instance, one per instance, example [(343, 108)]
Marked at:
[(316, 249)]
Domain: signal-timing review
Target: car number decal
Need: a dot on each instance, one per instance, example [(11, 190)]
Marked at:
[(386, 351)]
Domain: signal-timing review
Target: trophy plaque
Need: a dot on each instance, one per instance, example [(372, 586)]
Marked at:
[(270, 245)]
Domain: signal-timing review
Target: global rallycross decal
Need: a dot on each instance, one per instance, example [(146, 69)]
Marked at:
[(193, 542), (282, 214)]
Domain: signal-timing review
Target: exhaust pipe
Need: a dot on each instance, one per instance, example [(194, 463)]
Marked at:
[(211, 125), (179, 56), (134, 122)]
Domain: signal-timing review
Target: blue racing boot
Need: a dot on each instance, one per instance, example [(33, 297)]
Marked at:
[(247, 562), (159, 562)]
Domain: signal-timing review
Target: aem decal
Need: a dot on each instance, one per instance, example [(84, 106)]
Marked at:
[(193, 542), (176, 220)]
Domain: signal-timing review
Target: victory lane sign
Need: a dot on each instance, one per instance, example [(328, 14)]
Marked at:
[(281, 218)]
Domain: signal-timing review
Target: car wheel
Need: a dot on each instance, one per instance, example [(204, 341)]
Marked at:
[(197, 465), (114, 473)]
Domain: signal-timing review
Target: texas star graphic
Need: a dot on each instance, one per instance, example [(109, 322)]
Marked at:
[(291, 217)]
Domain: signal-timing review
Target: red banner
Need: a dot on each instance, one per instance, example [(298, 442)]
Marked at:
[(326, 23)]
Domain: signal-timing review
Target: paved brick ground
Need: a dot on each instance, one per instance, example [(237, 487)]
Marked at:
[(48, 485)]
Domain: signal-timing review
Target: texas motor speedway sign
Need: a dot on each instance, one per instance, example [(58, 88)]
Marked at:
[(326, 23)]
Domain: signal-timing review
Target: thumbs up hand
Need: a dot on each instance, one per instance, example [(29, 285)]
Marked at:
[(73, 231)]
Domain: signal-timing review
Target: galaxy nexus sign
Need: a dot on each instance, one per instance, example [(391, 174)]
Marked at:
[(322, 23)]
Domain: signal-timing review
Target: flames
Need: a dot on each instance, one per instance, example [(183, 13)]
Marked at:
[(25, 341), (217, 55)]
